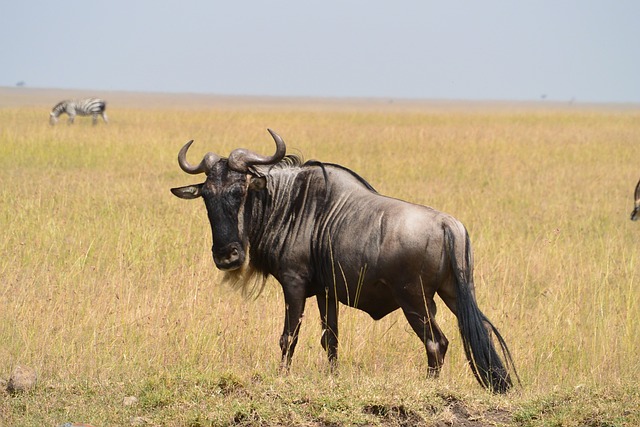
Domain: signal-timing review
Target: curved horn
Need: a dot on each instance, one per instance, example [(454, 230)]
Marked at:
[(241, 159), (205, 165)]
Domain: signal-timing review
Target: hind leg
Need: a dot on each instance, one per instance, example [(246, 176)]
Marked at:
[(422, 320)]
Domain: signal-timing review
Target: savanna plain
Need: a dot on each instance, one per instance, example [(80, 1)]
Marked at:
[(109, 292)]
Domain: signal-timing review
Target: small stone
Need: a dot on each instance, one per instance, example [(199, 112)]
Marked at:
[(22, 379), (129, 401)]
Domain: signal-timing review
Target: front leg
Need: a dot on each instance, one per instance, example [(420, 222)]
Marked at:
[(329, 316), (294, 299)]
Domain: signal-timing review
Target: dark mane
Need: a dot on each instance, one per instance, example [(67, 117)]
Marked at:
[(292, 161), (289, 161), (352, 173)]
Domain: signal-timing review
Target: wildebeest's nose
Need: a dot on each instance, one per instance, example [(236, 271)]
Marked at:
[(229, 257)]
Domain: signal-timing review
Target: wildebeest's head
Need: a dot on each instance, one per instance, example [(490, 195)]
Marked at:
[(225, 190)]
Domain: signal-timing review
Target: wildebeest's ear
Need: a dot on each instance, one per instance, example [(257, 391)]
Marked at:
[(257, 183), (188, 192)]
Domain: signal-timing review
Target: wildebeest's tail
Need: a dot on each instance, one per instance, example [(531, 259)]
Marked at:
[(474, 326)]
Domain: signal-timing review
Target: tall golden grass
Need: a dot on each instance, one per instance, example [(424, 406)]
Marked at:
[(108, 287)]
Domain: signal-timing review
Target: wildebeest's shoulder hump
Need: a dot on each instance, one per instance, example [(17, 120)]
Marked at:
[(324, 166)]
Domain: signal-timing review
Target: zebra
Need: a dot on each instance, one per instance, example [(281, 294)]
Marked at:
[(82, 107)]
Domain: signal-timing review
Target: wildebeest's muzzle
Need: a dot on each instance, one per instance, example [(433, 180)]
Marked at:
[(229, 257)]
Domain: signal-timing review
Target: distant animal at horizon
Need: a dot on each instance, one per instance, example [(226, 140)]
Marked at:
[(93, 107), (321, 230), (635, 213)]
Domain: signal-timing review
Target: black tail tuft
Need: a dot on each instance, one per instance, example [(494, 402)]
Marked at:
[(474, 327)]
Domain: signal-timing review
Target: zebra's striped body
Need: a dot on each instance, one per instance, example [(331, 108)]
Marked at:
[(82, 107)]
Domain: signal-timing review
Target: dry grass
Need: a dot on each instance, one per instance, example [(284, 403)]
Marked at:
[(108, 288)]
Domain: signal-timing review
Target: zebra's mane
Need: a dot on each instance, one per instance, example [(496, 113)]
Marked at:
[(60, 105)]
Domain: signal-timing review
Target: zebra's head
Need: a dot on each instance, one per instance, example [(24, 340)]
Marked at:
[(56, 111)]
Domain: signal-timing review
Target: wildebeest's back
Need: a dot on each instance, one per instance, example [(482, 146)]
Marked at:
[(370, 244)]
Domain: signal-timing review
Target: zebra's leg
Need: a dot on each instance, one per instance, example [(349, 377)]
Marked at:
[(104, 117), (71, 118), (94, 119)]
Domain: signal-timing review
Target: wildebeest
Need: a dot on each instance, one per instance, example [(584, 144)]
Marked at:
[(636, 209), (321, 230), (81, 107)]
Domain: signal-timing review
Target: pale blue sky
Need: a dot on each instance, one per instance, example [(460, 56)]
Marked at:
[(477, 50)]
